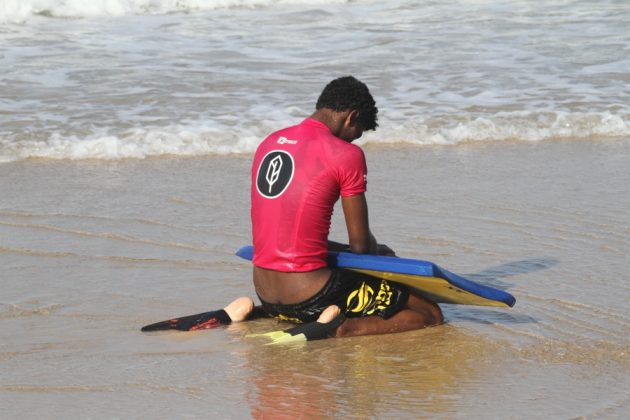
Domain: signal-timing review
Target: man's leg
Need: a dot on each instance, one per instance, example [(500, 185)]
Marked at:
[(418, 313)]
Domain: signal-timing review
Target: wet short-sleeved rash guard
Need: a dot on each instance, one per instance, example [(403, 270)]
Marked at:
[(298, 174)]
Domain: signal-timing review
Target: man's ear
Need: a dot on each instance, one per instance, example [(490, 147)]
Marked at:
[(352, 118)]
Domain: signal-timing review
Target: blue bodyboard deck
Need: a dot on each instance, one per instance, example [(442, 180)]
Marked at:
[(425, 277)]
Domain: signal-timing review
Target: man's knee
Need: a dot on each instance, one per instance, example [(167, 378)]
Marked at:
[(429, 310), (434, 314)]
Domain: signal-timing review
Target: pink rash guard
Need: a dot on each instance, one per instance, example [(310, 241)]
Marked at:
[(298, 174)]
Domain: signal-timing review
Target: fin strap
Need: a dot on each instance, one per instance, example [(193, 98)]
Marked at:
[(316, 330)]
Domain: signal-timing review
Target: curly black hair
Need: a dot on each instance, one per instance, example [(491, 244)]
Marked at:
[(347, 93)]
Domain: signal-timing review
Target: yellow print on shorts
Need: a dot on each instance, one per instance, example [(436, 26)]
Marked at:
[(384, 297), (359, 299), (363, 299)]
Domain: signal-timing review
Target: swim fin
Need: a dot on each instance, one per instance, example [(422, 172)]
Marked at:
[(304, 332), (201, 321)]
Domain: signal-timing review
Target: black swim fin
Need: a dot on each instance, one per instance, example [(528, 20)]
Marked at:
[(201, 321), (305, 332)]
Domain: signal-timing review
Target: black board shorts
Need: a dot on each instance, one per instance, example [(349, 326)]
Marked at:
[(356, 294)]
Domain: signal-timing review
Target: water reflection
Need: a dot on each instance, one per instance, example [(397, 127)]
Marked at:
[(420, 372)]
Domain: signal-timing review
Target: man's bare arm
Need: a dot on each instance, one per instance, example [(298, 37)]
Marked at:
[(355, 210)]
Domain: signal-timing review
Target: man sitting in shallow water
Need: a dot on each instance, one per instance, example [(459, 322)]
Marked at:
[(298, 174)]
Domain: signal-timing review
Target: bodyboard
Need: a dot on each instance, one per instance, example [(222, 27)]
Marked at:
[(428, 279)]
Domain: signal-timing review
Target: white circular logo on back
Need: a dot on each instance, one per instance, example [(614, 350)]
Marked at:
[(274, 173)]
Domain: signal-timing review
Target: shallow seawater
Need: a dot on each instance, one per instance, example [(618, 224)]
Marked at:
[(92, 250), (126, 132)]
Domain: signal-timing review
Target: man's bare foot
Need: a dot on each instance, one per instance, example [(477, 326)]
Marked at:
[(329, 314), (239, 308)]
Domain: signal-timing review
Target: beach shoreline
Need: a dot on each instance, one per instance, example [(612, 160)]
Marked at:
[(92, 250)]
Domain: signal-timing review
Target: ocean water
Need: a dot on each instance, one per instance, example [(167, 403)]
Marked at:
[(503, 154), (133, 78)]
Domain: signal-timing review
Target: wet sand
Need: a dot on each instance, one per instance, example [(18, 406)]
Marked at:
[(92, 250)]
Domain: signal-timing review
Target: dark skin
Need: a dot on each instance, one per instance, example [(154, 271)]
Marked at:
[(289, 288)]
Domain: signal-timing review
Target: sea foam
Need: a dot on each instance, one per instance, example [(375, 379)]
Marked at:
[(221, 75), (23, 10), (204, 139)]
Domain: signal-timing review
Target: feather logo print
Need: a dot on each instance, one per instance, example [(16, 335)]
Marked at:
[(273, 171)]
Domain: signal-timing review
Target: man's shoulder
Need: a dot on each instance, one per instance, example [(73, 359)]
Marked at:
[(287, 135), (344, 150)]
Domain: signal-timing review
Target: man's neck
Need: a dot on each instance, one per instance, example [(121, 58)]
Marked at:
[(332, 119)]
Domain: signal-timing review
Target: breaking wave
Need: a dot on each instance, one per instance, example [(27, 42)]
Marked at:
[(191, 141), (23, 10)]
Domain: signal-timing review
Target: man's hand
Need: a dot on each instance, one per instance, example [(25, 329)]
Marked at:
[(385, 250)]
